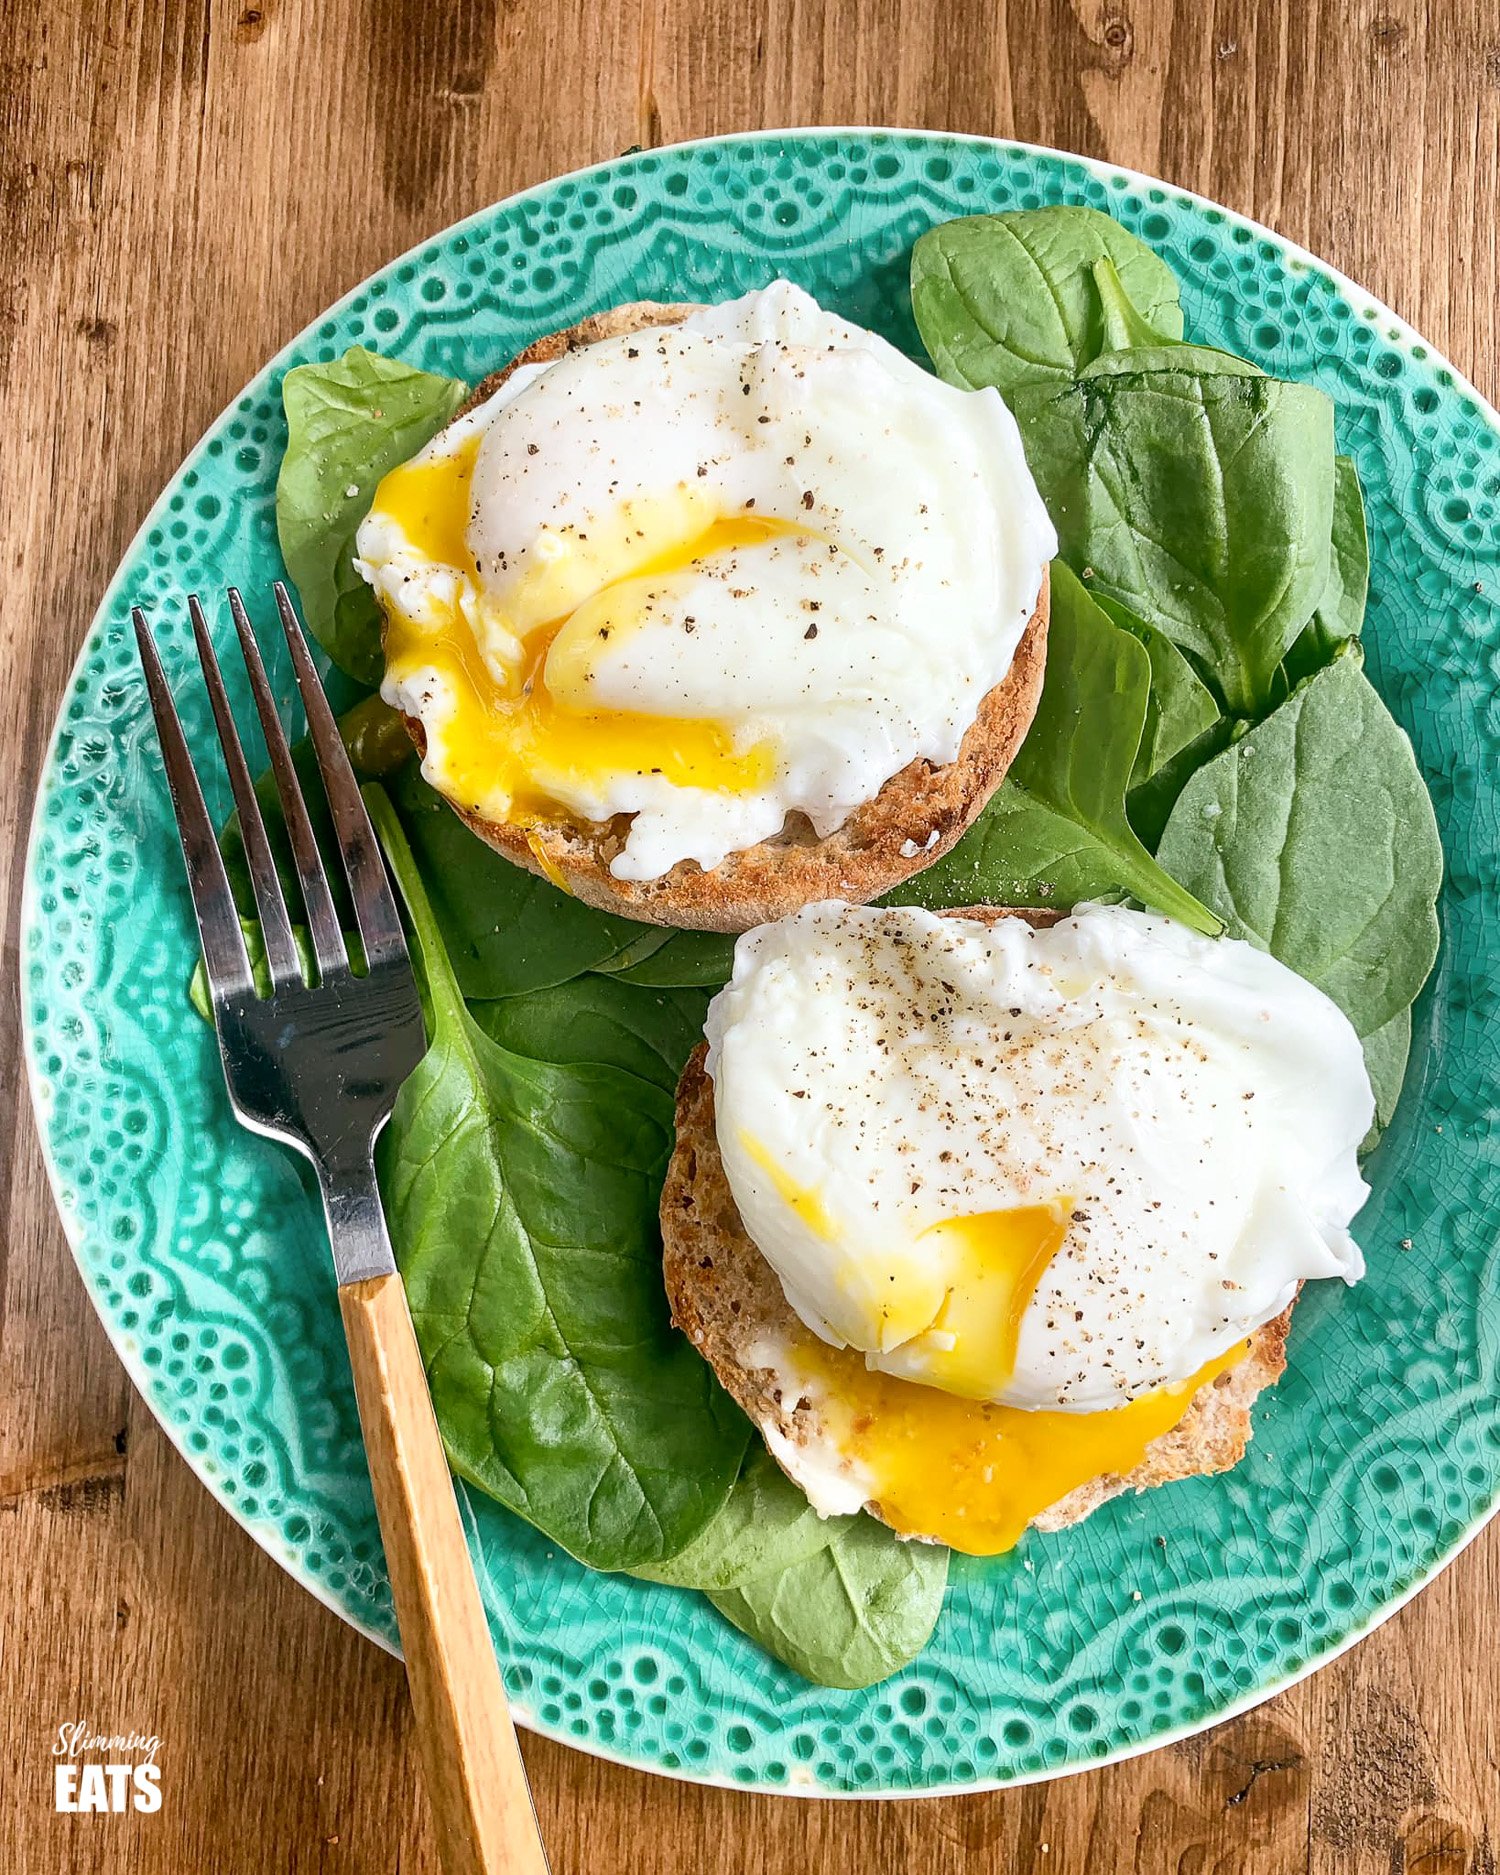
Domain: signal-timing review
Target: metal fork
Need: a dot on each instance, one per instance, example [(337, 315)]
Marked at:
[(318, 1067)]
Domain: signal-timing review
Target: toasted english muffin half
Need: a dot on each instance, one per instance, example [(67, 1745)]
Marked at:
[(913, 820), (729, 1302)]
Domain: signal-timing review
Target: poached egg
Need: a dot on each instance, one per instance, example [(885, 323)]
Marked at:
[(1026, 1190), (705, 576)]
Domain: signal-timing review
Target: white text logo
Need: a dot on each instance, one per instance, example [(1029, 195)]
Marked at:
[(127, 1778)]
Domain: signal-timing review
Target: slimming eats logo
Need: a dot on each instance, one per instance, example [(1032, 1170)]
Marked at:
[(126, 1778)]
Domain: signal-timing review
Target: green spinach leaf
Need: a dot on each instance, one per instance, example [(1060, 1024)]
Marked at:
[(506, 931), (1203, 502), (687, 959), (1150, 802), (645, 1031), (856, 1611), (1012, 300), (1314, 837), (1132, 343), (1136, 360), (1076, 762), (649, 939), (1342, 605), (347, 423), (1018, 852), (766, 1525), (1179, 705), (522, 1198), (1386, 1053), (1125, 327), (375, 736), (841, 1600), (1341, 609)]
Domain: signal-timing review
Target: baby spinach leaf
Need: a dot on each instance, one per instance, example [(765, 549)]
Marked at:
[(1207, 359), (1150, 802), (595, 1018), (1132, 343), (1386, 1054), (1077, 762), (522, 1196), (648, 940), (1018, 852), (1342, 605), (1057, 829), (375, 736), (347, 423), (686, 959), (506, 931), (1179, 705), (1204, 502), (1314, 836), (842, 1600), (766, 1524), (1341, 610), (1010, 300), (854, 1612), (1125, 328)]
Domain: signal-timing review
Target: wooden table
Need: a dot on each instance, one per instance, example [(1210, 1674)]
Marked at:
[(183, 187)]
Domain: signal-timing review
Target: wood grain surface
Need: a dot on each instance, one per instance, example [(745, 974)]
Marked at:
[(182, 187)]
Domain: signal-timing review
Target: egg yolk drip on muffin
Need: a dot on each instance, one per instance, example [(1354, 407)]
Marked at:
[(518, 731), (967, 1472), (944, 1460)]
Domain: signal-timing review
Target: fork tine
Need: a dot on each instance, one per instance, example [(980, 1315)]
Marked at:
[(322, 919), (374, 904), (281, 948), (219, 933)]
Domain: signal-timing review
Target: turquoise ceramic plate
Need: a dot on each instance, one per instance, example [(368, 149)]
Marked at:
[(1373, 1461)]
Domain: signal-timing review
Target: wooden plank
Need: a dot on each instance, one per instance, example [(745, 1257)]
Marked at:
[(183, 186)]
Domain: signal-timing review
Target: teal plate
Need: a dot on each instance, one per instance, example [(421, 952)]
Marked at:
[(1372, 1462)]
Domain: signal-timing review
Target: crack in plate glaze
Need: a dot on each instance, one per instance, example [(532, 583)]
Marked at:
[(201, 1246)]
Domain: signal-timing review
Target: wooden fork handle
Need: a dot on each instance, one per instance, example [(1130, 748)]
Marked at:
[(476, 1783)]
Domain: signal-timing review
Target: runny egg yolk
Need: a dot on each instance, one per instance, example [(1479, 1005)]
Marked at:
[(992, 1264), (515, 742), (955, 1306), (971, 1474)]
